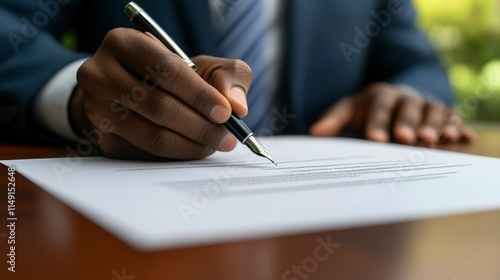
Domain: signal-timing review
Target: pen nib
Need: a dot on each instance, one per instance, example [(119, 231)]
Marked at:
[(268, 156), (257, 148)]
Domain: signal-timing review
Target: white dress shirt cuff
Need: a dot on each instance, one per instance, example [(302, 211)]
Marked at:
[(51, 105)]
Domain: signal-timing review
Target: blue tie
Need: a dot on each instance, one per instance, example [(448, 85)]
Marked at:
[(242, 36)]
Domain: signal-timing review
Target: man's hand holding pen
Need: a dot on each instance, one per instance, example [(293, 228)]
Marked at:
[(158, 106)]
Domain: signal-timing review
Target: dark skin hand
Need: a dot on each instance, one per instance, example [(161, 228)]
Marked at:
[(153, 104), (383, 111)]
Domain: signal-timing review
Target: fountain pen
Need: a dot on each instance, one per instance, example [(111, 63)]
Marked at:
[(145, 23)]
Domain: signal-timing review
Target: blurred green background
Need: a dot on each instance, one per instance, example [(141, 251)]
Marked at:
[(466, 33)]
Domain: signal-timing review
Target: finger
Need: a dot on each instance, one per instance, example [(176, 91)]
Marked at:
[(408, 117), (116, 147), (153, 61), (453, 123), (433, 120), (335, 119), (468, 134), (231, 77), (158, 107), (163, 109), (76, 111), (167, 143), (380, 113)]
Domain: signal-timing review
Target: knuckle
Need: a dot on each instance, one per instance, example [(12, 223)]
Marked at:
[(238, 64), (382, 105), (437, 106), (209, 134), (92, 112), (378, 87), (165, 109), (170, 71), (241, 69), (200, 98), (95, 73), (412, 101), (234, 69), (113, 37), (86, 73), (163, 142)]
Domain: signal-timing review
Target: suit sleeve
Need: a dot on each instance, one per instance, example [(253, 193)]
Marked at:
[(402, 55), (29, 56)]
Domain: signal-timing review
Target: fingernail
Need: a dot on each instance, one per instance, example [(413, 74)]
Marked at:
[(228, 143), (379, 136), (238, 95), (428, 134), (406, 135), (219, 114), (451, 133)]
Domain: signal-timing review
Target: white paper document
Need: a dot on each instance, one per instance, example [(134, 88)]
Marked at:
[(319, 184)]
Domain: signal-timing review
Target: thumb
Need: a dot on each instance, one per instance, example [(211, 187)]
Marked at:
[(231, 77)]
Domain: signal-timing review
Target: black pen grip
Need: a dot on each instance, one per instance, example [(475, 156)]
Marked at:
[(237, 127)]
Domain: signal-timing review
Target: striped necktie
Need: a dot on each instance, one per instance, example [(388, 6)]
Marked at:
[(242, 36)]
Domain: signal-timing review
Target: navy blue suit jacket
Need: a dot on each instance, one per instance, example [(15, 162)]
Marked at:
[(332, 48)]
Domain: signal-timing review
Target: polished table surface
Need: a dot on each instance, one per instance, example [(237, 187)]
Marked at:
[(55, 242)]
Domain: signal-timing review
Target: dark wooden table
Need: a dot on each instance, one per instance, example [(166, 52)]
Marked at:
[(55, 242)]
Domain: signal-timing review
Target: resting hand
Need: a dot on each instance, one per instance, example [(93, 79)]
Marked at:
[(147, 103), (383, 111)]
